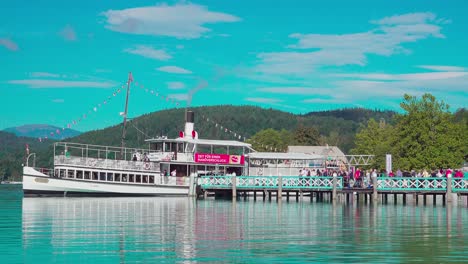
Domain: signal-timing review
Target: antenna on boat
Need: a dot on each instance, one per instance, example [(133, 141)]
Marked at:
[(124, 129)]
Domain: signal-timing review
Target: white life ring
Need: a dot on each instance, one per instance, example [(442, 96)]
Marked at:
[(146, 165)]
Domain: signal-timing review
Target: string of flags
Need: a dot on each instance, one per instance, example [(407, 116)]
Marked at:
[(83, 116), (157, 94), (238, 136)]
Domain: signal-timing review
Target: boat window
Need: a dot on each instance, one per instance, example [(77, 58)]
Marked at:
[(180, 147), (102, 176), (62, 173), (145, 178), (151, 179), (79, 174), (95, 175), (167, 147), (56, 173), (124, 177), (86, 175), (138, 178), (156, 146), (131, 178), (71, 174), (117, 177), (110, 176)]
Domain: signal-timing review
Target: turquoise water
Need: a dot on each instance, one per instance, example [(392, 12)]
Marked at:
[(183, 230)]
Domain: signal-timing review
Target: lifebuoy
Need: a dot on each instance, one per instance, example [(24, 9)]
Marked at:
[(146, 166)]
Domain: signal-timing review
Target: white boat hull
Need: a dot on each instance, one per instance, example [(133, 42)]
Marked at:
[(36, 183)]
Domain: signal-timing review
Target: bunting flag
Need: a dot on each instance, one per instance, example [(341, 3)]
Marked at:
[(83, 116)]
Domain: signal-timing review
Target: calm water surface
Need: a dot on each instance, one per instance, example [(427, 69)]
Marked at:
[(182, 230)]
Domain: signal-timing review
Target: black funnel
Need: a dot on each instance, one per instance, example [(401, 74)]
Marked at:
[(190, 117)]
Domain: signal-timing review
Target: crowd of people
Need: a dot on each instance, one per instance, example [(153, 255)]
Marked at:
[(362, 178)]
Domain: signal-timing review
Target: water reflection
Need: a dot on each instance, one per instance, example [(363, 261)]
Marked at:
[(184, 230)]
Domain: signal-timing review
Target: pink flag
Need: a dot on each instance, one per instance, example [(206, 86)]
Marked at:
[(130, 77)]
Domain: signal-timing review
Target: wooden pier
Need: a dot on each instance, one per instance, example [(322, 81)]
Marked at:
[(333, 189)]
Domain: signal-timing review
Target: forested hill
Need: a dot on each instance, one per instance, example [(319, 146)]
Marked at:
[(12, 152), (336, 128), (356, 114)]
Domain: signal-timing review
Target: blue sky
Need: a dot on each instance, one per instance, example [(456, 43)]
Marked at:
[(63, 61)]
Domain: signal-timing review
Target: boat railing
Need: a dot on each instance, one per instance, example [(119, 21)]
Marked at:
[(96, 151), (105, 163)]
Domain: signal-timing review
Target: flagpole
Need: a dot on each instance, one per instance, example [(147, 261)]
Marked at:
[(124, 130)]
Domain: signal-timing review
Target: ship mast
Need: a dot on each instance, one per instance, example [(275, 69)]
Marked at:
[(124, 129)]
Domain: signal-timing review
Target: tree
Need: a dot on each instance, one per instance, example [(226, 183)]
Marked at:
[(426, 136), (375, 139), (270, 140), (306, 136)]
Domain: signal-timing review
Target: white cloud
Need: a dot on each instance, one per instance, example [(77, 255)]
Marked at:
[(149, 52), (58, 101), (42, 83), (179, 97), (179, 46), (351, 49), (44, 74), (411, 18), (426, 76), (174, 69), (294, 90), (68, 33), (183, 20), (263, 100), (443, 68), (175, 85), (9, 44)]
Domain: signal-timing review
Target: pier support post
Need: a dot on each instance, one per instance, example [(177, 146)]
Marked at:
[(375, 196), (335, 181), (449, 189), (301, 194), (234, 190), (279, 195), (192, 184)]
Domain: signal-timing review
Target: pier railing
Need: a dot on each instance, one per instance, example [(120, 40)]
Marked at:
[(411, 184), (305, 183), (269, 182)]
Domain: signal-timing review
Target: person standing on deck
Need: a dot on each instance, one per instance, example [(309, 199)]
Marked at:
[(357, 177)]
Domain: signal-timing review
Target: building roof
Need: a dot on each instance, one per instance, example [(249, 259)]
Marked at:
[(284, 156), (326, 151)]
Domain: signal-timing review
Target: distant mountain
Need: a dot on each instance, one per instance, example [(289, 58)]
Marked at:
[(40, 130)]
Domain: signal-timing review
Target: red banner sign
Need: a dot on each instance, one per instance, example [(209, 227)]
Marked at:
[(219, 158)]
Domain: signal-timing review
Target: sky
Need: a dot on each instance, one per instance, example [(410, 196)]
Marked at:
[(66, 63)]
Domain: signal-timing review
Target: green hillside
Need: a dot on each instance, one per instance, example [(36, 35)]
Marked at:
[(336, 127)]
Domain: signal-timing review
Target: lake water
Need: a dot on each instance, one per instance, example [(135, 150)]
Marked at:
[(184, 230)]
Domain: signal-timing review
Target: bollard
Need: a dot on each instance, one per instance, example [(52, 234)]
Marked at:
[(375, 197), (234, 191), (449, 188)]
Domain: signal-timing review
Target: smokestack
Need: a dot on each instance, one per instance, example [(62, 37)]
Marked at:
[(189, 124)]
